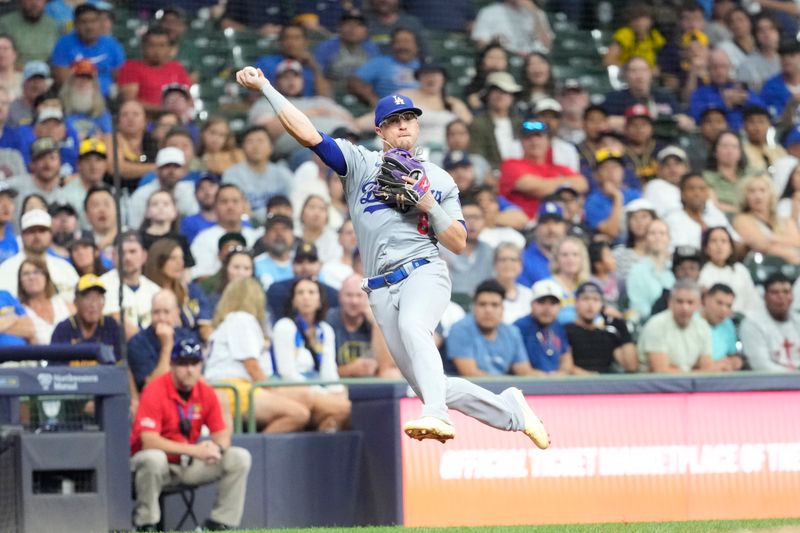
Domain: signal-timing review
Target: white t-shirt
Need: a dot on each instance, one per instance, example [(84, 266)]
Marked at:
[(328, 247), (737, 278), (509, 147), (335, 273), (565, 154), (769, 345), (293, 361), (664, 196), (138, 304), (62, 273), (518, 307), (515, 28), (498, 234), (684, 231), (237, 338), (205, 248)]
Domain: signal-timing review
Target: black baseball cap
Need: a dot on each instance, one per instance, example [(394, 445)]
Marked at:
[(456, 158), (207, 176), (275, 219), (588, 287), (685, 253), (306, 251), (231, 236)]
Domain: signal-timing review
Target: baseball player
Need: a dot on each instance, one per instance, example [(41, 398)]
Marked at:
[(401, 208)]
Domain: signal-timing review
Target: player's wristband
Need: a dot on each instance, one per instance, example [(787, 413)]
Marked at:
[(276, 99), (439, 219)]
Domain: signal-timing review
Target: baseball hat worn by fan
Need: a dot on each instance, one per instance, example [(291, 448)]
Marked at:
[(35, 218), (186, 350), (35, 68), (547, 104), (394, 104), (89, 282), (672, 151), (207, 176), (550, 210), (231, 237), (686, 253), (92, 147), (306, 251), (588, 287), (604, 155), (533, 127), (638, 111), (170, 156), (503, 81), (274, 220), (5, 188), (456, 158), (178, 87), (43, 146), (546, 288), (640, 204), (84, 67), (49, 113), (289, 65)]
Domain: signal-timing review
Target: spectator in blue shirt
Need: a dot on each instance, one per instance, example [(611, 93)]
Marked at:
[(149, 350), (604, 206), (384, 75), (342, 54), (294, 45), (88, 42), (550, 229), (88, 325), (723, 92), (450, 16), (545, 339), (8, 239), (775, 93), (16, 329), (717, 310), (205, 191), (481, 344)]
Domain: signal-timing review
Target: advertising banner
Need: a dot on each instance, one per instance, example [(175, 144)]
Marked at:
[(614, 458)]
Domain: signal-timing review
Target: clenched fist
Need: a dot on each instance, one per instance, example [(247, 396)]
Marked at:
[(251, 78)]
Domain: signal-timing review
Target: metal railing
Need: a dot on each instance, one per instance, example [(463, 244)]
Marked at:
[(237, 405)]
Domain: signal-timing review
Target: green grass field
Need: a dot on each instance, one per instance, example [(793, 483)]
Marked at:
[(639, 527)]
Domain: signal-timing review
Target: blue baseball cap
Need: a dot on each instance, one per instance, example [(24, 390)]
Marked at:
[(187, 348), (207, 176), (793, 137), (456, 158), (393, 104), (550, 210), (533, 127)]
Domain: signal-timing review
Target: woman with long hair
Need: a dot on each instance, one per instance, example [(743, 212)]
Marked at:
[(759, 225), (721, 267), (314, 229), (726, 168), (305, 348), (165, 267), (439, 108), (638, 216), (237, 265), (652, 274), (569, 267), (507, 268), (239, 357), (38, 295), (85, 257), (218, 149), (537, 84), (161, 221), (493, 58)]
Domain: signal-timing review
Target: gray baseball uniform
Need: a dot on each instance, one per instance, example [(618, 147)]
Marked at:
[(408, 311)]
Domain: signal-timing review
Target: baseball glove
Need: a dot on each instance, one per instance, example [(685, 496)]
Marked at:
[(392, 189)]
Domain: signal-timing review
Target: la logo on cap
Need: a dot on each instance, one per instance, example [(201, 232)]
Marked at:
[(398, 100)]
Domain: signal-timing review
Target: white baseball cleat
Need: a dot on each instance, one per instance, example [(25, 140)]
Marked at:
[(429, 427), (534, 428)]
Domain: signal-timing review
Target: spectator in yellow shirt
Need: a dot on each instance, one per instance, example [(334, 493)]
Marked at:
[(638, 38)]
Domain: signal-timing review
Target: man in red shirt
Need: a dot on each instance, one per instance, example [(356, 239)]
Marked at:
[(526, 181), (165, 450), (145, 79)]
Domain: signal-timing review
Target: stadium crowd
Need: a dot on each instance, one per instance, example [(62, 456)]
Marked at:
[(653, 227)]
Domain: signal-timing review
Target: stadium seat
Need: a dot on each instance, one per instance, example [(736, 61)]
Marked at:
[(763, 266)]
